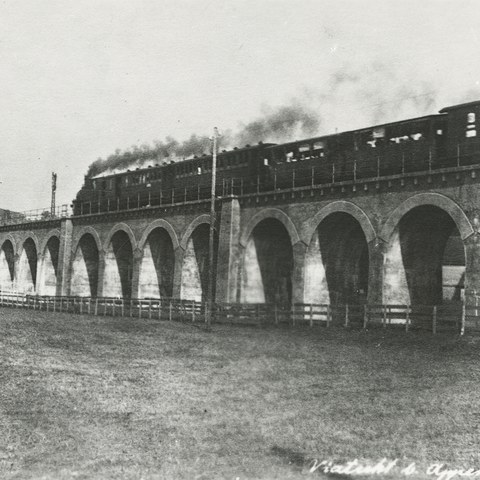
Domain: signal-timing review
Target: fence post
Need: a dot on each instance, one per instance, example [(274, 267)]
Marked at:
[(329, 315), (170, 311), (293, 314), (311, 315), (346, 315), (160, 309), (131, 309), (384, 316), (96, 306), (462, 327), (407, 319), (81, 306), (365, 316), (139, 309), (193, 311), (123, 307), (434, 320), (54, 304), (149, 309)]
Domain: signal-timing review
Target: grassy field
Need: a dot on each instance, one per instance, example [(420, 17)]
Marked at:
[(89, 397)]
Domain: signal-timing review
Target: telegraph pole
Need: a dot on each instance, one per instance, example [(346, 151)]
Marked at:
[(54, 189), (211, 276)]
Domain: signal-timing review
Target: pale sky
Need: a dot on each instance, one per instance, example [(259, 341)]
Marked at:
[(81, 78)]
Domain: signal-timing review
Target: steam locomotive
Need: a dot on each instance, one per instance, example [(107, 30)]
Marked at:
[(447, 139)]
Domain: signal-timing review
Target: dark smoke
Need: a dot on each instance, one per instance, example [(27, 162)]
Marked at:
[(158, 153), (353, 97), (280, 125), (275, 125)]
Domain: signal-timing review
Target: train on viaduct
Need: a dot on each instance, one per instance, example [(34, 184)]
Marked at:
[(388, 214)]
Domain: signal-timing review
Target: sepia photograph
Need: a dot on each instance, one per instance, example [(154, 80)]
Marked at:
[(239, 239)]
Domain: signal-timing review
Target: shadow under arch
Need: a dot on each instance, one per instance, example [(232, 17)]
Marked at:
[(267, 263), (85, 265), (26, 279), (49, 268), (425, 255), (7, 263), (157, 264)]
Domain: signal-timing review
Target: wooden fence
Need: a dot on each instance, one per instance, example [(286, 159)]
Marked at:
[(456, 318)]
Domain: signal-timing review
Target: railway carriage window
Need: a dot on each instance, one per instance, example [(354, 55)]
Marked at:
[(94, 184), (439, 131), (319, 149), (378, 132), (289, 157), (471, 133), (304, 151), (471, 118), (199, 170), (416, 136), (265, 162)]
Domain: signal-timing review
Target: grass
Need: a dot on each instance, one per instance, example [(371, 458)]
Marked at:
[(91, 397)]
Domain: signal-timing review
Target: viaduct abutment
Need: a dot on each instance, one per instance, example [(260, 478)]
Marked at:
[(398, 240)]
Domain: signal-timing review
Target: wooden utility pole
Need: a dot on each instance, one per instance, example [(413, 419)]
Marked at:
[(211, 275), (54, 189)]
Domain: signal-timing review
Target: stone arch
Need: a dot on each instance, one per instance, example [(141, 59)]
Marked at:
[(80, 233), (86, 258), (27, 272), (9, 236), (190, 229), (435, 199), (119, 262), (120, 227), (269, 213), (52, 233), (424, 250), (49, 256), (160, 223), (195, 259), (268, 260), (24, 238), (7, 261), (337, 257), (309, 226), (156, 261)]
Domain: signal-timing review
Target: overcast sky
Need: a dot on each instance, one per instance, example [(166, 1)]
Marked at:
[(81, 78)]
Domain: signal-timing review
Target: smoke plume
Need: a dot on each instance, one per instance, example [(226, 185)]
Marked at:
[(275, 125), (352, 97), (282, 124)]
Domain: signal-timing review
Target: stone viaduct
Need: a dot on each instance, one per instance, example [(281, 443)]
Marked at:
[(410, 239)]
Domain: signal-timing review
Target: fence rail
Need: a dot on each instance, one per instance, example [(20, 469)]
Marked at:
[(457, 318)]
